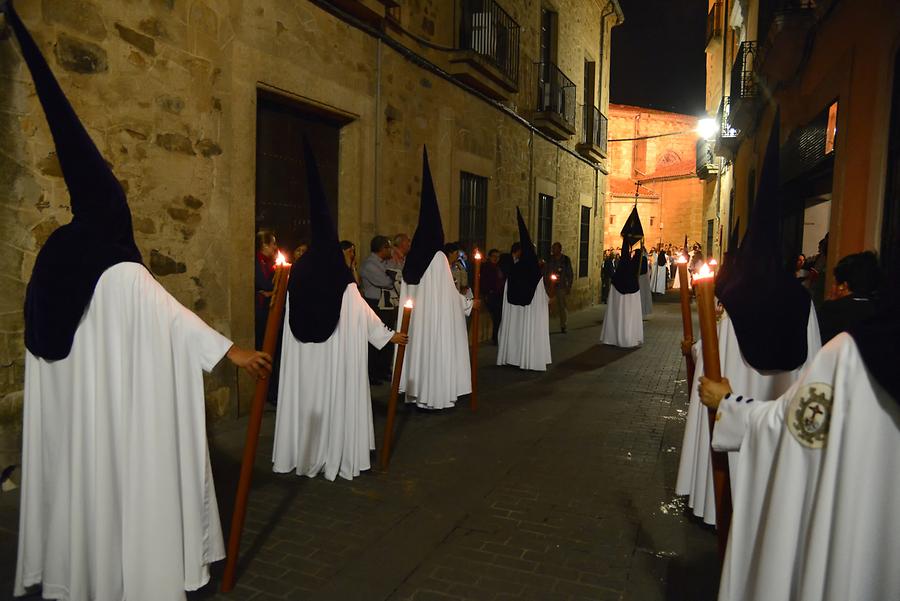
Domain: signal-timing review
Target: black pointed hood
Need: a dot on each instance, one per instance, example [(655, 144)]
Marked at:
[(100, 234), (878, 339), (526, 273), (730, 255), (321, 276), (429, 236), (625, 279), (768, 307)]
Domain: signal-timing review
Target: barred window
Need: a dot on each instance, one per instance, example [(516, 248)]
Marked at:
[(545, 225), (472, 211), (584, 242)]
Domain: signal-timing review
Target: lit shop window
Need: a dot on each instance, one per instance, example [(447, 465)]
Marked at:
[(831, 129)]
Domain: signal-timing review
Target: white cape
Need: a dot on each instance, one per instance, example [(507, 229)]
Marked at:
[(324, 417), (524, 338), (646, 297), (659, 279), (622, 323), (815, 515), (117, 493), (695, 465), (436, 368)]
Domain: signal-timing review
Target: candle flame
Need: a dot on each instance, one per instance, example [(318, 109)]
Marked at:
[(681, 260), (704, 273), (280, 261), (713, 262), (554, 277), (408, 304), (477, 256)]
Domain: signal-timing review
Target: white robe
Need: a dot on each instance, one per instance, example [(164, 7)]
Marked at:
[(324, 417), (645, 295), (117, 493), (659, 279), (622, 323), (815, 517), (695, 465), (436, 368), (524, 338)]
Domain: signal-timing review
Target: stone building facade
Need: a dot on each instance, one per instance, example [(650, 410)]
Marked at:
[(173, 91), (652, 161)]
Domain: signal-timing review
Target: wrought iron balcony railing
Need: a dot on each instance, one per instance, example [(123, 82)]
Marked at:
[(714, 22), (488, 30), (555, 93), (727, 130), (743, 77), (595, 129)]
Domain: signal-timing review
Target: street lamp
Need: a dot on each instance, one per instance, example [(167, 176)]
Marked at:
[(707, 128)]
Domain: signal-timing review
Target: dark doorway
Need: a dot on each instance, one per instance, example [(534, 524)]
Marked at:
[(890, 228), (545, 226), (282, 204)]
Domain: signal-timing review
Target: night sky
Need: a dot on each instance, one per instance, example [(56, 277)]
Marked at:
[(658, 58)]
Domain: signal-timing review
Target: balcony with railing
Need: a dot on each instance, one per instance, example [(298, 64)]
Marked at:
[(594, 134), (554, 111), (785, 39), (728, 139), (370, 11), (744, 85), (488, 54), (714, 23)]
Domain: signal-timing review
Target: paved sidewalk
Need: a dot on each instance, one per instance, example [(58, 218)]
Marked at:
[(559, 487)]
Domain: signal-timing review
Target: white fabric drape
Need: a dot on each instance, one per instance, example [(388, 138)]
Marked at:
[(324, 417), (524, 338), (117, 492), (622, 324)]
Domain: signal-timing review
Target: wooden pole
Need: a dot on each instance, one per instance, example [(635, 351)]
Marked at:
[(704, 284), (273, 326), (687, 339), (395, 389), (473, 345)]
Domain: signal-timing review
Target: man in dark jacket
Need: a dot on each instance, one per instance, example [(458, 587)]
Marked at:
[(492, 282)]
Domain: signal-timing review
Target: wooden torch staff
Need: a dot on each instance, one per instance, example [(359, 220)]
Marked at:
[(273, 326), (687, 340), (704, 284), (473, 345), (395, 389)]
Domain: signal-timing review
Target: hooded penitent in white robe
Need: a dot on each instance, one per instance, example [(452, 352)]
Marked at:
[(622, 323), (436, 369), (659, 278), (816, 496), (117, 493), (695, 465), (324, 417), (524, 339)]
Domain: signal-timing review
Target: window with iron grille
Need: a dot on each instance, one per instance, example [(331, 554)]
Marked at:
[(545, 225), (472, 210), (584, 242)]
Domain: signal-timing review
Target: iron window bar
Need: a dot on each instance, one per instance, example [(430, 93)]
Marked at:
[(743, 78), (556, 92), (490, 32)]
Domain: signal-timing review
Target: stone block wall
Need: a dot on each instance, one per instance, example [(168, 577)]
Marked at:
[(168, 90)]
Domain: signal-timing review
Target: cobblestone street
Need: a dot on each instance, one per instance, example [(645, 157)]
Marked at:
[(559, 487)]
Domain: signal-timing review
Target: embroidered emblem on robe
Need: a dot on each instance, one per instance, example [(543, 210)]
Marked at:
[(809, 415)]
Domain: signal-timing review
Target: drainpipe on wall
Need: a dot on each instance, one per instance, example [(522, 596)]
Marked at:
[(721, 159), (377, 121)]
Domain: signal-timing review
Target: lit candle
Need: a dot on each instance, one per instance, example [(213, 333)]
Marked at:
[(687, 340), (704, 284), (395, 388), (270, 340), (473, 344)]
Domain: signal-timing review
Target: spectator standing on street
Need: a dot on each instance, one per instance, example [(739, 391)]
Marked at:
[(561, 266), (492, 282), (349, 250), (377, 286), (606, 273), (266, 248)]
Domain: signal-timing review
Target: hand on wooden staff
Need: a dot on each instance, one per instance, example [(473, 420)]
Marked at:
[(400, 338), (257, 363), (686, 347), (476, 304), (712, 393)]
